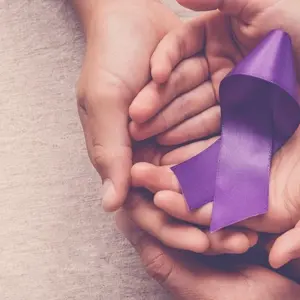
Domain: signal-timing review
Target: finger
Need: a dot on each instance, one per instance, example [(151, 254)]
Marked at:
[(176, 46), (201, 126), (221, 51), (285, 248), (232, 7), (290, 269), (187, 75), (185, 152), (180, 109), (154, 178), (158, 224), (174, 204), (183, 275), (108, 142), (229, 240)]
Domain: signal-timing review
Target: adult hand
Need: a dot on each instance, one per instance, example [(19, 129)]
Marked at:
[(188, 277), (121, 36)]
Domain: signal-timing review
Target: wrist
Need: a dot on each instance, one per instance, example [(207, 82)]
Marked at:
[(86, 9)]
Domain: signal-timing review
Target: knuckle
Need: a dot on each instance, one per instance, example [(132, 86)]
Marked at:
[(202, 67), (209, 90), (166, 122), (179, 78), (99, 157), (108, 89), (185, 107), (102, 155), (158, 266), (94, 96)]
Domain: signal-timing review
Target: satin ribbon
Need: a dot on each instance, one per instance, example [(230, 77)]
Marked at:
[(260, 112)]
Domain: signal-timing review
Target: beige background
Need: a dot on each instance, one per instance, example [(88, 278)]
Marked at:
[(55, 241)]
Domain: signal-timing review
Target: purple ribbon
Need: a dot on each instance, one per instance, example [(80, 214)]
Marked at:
[(260, 113)]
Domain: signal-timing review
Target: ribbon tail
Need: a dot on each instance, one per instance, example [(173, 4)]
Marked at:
[(197, 176), (242, 182)]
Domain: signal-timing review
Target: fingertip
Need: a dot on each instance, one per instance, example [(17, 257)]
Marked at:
[(160, 74), (159, 198), (135, 170), (274, 262), (160, 68), (141, 132), (285, 248), (110, 202), (164, 138), (138, 172), (141, 108), (141, 112), (277, 258), (137, 111), (134, 131), (195, 240), (237, 243), (162, 199)]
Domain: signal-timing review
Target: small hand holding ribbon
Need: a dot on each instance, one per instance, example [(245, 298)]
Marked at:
[(260, 112)]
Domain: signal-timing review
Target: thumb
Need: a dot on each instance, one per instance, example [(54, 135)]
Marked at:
[(285, 248), (104, 116)]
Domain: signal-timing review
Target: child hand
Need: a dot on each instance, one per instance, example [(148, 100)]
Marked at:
[(184, 90)]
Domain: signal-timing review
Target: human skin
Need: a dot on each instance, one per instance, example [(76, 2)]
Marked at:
[(248, 22), (120, 39), (193, 277)]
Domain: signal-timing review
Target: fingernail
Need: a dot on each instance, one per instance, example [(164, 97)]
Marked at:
[(128, 228), (109, 195)]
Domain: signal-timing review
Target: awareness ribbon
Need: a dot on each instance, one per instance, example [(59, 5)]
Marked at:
[(260, 111)]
